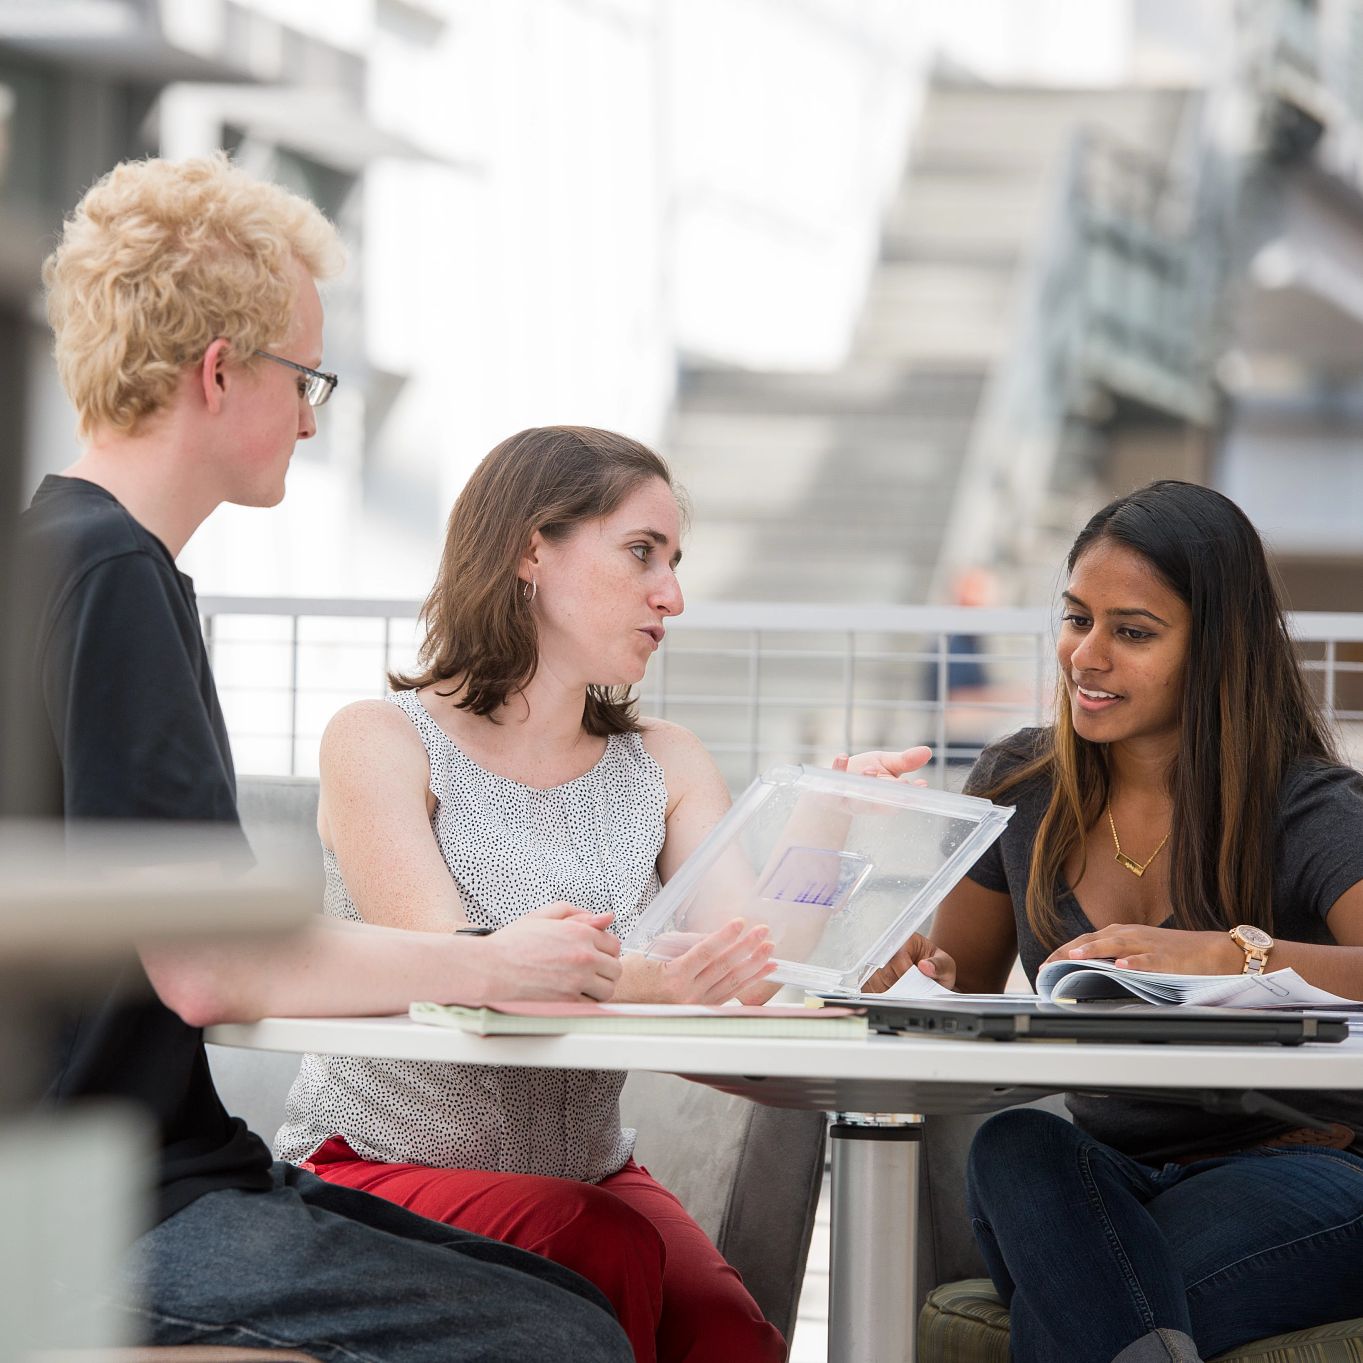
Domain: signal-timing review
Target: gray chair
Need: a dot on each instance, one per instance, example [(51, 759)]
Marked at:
[(749, 1175)]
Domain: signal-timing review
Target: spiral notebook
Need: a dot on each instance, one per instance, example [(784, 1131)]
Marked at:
[(647, 1019)]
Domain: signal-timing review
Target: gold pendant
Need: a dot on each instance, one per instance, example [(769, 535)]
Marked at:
[(1137, 868), (1131, 865)]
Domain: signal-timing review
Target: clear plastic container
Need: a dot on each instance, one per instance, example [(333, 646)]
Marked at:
[(841, 868)]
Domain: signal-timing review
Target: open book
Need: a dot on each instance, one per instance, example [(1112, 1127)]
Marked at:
[(1097, 980), (649, 1019), (1083, 981)]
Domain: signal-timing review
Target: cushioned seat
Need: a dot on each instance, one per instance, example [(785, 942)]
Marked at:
[(965, 1322)]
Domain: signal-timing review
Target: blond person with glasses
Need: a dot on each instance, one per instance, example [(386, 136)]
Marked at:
[(161, 261), (315, 387)]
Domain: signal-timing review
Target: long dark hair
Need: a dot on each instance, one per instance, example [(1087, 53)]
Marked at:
[(1246, 715), (480, 630)]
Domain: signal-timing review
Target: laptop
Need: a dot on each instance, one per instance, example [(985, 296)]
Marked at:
[(1029, 1019)]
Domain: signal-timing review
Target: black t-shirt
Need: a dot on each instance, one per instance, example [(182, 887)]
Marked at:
[(126, 725), (1318, 856)]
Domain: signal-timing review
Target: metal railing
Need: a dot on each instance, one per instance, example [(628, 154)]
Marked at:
[(757, 683)]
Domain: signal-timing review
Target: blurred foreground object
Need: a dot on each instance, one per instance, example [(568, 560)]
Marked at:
[(76, 1185)]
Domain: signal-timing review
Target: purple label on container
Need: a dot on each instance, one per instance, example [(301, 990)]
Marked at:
[(815, 875)]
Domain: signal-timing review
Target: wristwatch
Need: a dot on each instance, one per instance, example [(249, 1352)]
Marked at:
[(1256, 944)]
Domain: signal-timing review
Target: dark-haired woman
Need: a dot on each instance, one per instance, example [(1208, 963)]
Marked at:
[(1185, 812), (509, 777)]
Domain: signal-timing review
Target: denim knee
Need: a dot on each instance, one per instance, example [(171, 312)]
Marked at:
[(1019, 1140), (576, 1329)]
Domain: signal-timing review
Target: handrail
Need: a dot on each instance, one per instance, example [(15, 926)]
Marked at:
[(757, 681), (774, 616)]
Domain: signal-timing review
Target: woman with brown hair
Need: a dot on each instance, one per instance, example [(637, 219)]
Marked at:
[(509, 779), (1185, 812)]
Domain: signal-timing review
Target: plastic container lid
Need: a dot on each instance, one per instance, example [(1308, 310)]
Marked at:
[(841, 868)]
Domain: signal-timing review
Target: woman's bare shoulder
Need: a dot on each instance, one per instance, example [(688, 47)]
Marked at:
[(368, 729), (667, 742)]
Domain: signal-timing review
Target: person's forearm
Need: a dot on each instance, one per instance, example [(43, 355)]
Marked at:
[(641, 981), (1335, 968), (328, 968)]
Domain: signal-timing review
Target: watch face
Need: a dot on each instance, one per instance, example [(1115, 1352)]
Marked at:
[(1253, 937)]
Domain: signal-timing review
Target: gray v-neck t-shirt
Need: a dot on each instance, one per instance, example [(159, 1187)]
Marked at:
[(1319, 855)]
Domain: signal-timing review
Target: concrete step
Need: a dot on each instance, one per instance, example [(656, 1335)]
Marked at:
[(696, 436), (939, 312), (726, 424), (996, 217), (913, 509), (914, 284), (838, 469), (858, 579), (870, 388), (942, 338), (841, 496), (1020, 127)]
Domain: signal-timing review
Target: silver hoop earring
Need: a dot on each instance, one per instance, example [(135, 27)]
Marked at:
[(530, 590)]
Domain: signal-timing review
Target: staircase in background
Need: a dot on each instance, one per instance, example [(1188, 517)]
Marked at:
[(841, 485)]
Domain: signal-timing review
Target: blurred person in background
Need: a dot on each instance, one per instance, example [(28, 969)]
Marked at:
[(1185, 812), (188, 336), (974, 698)]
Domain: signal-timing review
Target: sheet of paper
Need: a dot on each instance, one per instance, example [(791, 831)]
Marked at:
[(913, 984)]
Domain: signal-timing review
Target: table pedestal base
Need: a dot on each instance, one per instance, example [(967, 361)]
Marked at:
[(873, 1273)]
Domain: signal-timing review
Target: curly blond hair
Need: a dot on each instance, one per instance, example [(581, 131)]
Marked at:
[(160, 259)]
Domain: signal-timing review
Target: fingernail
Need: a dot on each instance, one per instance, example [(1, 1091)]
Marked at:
[(927, 968)]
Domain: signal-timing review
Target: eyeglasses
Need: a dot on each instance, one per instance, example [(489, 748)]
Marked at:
[(319, 387)]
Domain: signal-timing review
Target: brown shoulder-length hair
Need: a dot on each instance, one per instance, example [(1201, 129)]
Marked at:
[(481, 637), (1246, 716)]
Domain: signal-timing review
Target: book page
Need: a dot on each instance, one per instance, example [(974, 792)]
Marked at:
[(914, 986), (1077, 981)]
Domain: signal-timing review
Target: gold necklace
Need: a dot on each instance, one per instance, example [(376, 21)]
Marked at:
[(1137, 868)]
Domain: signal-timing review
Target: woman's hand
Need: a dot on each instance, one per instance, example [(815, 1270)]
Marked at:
[(559, 952), (727, 963), (1135, 946), (890, 765), (931, 961)]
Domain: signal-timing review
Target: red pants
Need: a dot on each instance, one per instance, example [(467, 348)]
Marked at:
[(676, 1297)]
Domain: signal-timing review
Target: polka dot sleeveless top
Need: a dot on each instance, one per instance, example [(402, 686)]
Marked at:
[(593, 841)]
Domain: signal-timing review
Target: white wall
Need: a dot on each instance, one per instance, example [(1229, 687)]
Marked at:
[(788, 126), (1048, 42)]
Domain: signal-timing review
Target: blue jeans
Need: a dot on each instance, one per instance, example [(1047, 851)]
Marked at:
[(1092, 1250), (351, 1278)]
